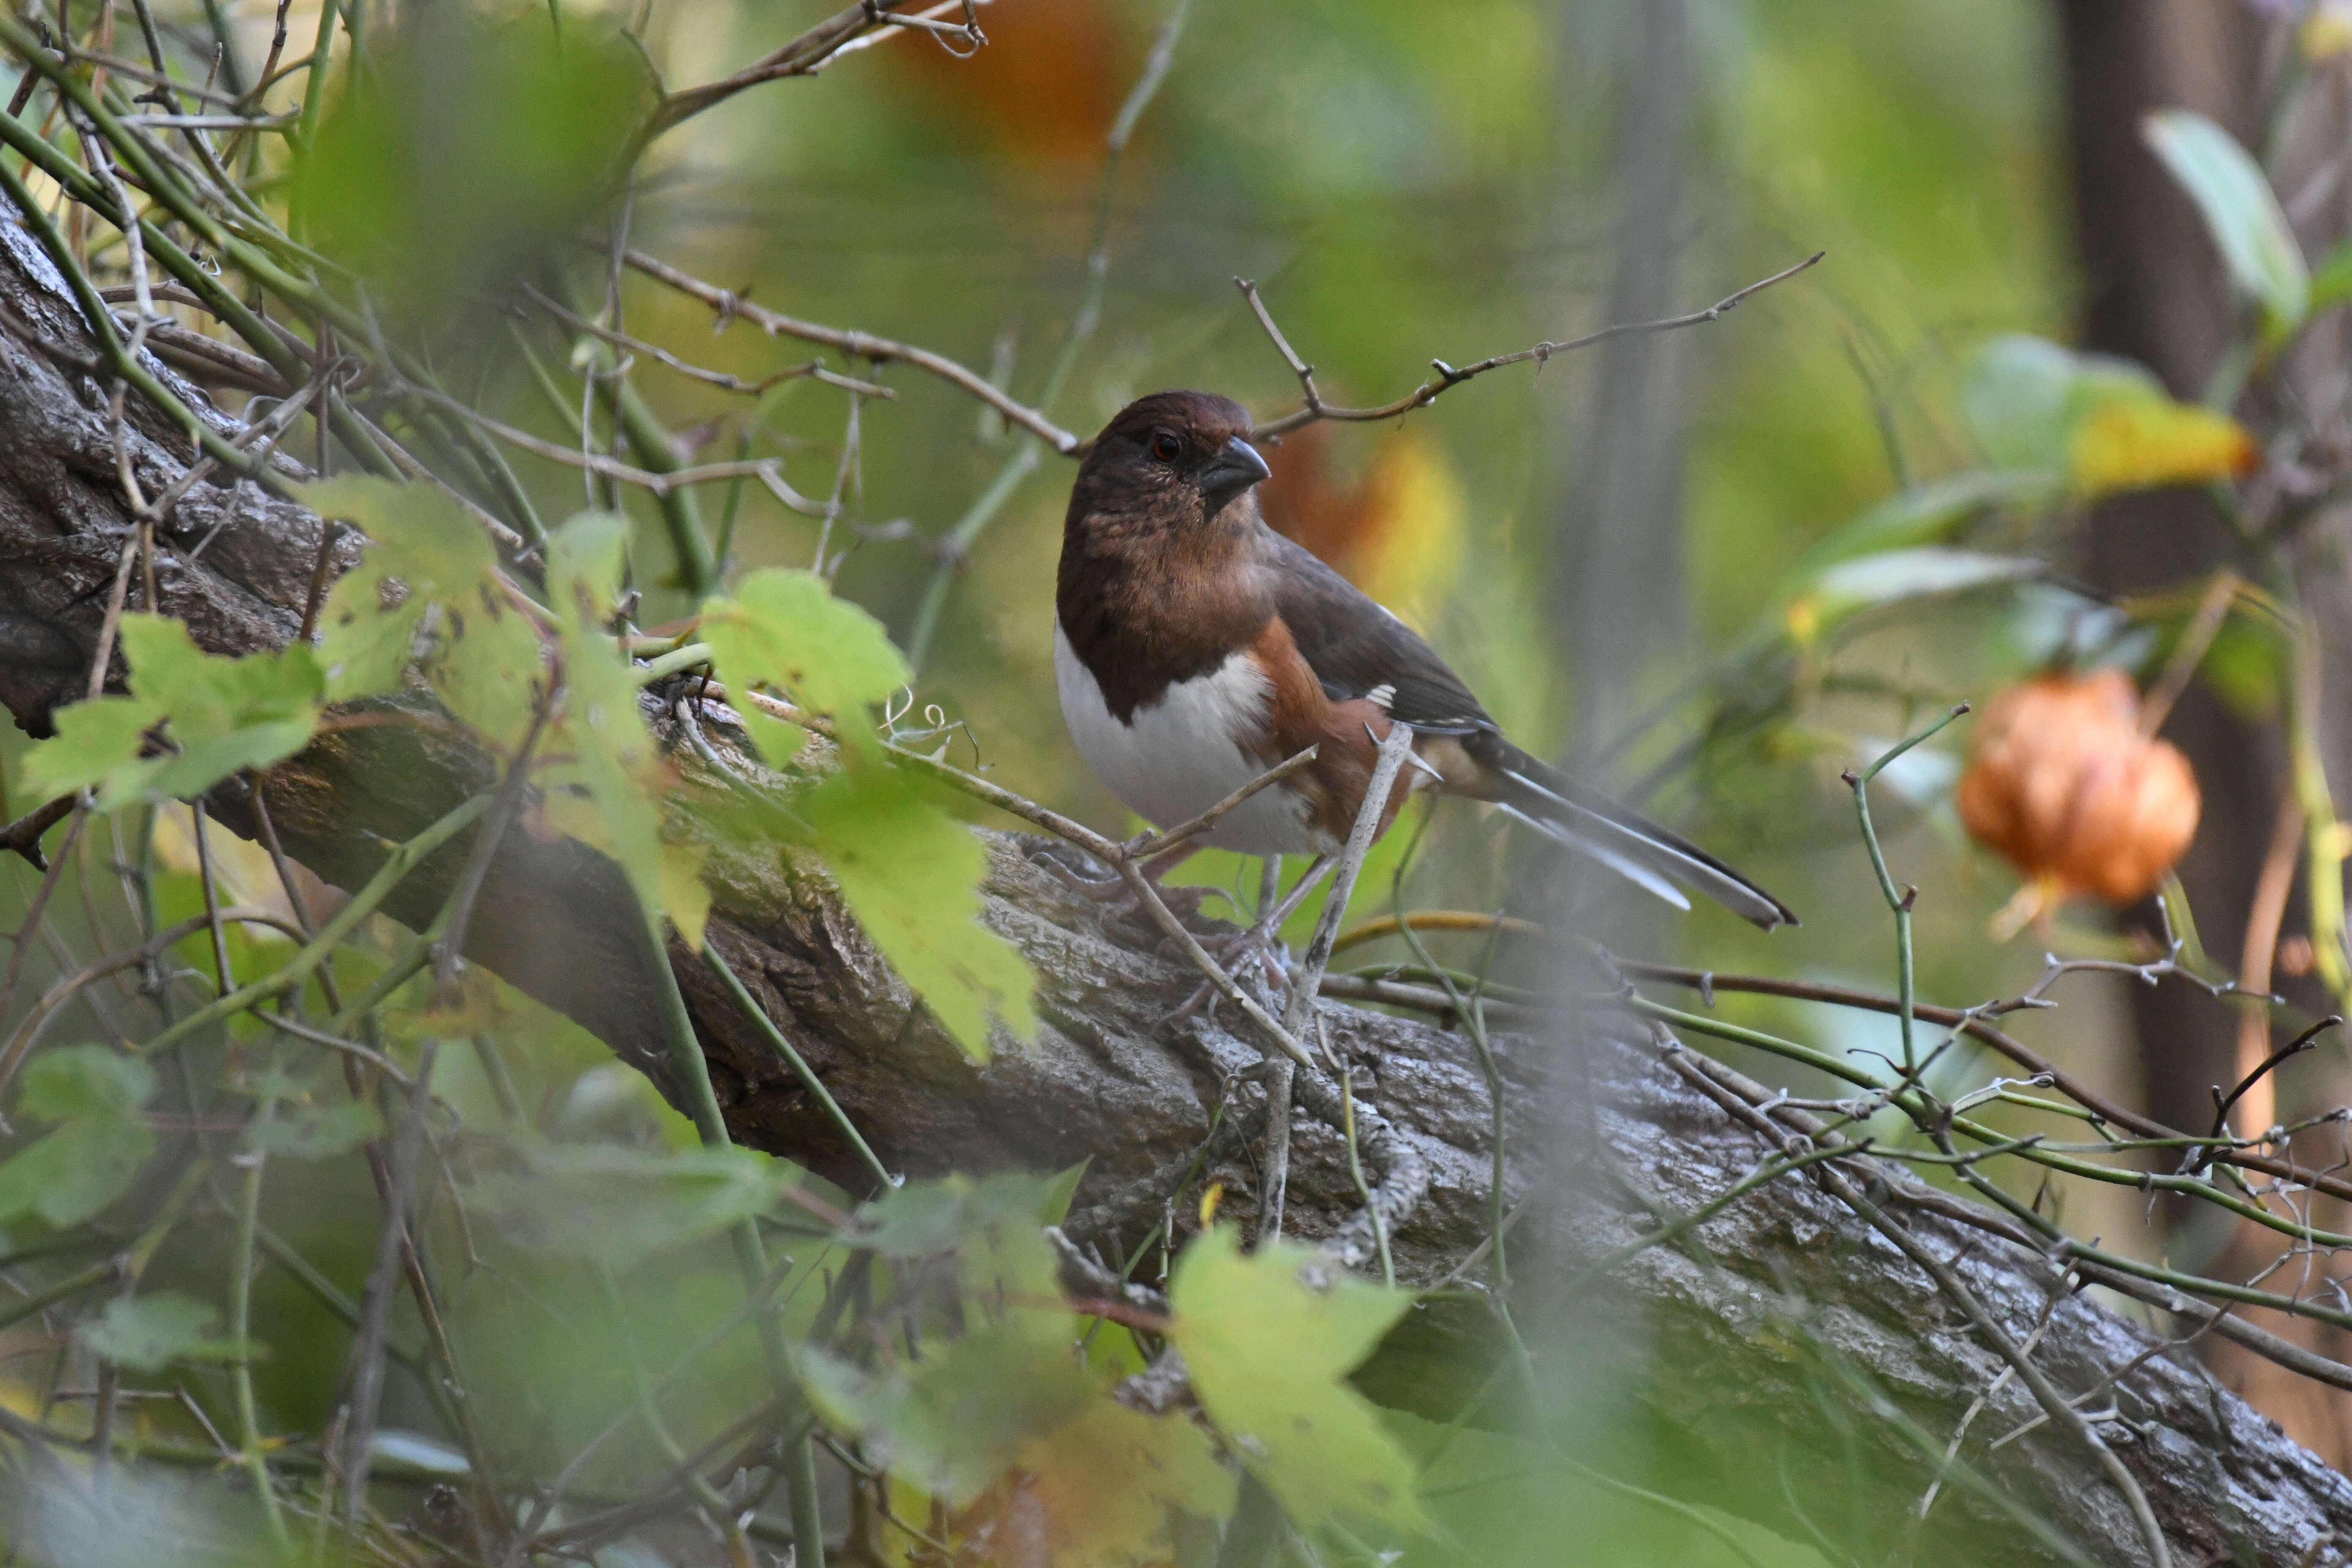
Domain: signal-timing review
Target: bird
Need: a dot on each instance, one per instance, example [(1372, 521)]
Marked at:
[(1195, 648)]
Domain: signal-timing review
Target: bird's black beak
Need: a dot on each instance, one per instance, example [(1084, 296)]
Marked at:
[(1230, 472)]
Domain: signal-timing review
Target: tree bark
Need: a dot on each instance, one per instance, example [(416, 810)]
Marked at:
[(2154, 290), (1784, 1326)]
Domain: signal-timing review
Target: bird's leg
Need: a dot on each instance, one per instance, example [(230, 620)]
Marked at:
[(1259, 942)]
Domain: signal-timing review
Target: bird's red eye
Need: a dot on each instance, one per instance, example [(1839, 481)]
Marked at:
[(1165, 447)]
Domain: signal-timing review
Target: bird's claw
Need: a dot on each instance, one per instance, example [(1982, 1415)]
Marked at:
[(1236, 951)]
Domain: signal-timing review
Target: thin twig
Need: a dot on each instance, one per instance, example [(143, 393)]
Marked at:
[(1448, 377), (1370, 815), (384, 1281), (857, 345)]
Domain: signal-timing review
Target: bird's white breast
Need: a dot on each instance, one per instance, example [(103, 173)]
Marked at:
[(1175, 758)]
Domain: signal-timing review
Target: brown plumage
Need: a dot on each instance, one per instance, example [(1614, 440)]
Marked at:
[(1196, 647)]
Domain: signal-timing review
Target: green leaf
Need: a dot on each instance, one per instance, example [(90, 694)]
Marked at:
[(220, 715), (94, 739), (952, 1420), (924, 1219), (100, 1145), (784, 629), (148, 1333), (609, 791), (2241, 211), (426, 592), (1269, 1340), (474, 146), (2023, 395), (2331, 285), (995, 1226), (74, 1082), (911, 874), (907, 871), (618, 1206), (316, 1131), (1892, 575), (74, 1173), (1928, 513)]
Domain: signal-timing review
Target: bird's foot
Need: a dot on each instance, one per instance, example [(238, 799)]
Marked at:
[(1254, 955)]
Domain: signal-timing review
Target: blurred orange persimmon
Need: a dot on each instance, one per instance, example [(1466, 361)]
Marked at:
[(2062, 783)]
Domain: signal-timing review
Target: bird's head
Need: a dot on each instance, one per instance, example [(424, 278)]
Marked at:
[(1177, 458)]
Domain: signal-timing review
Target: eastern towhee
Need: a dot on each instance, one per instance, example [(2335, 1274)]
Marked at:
[(1195, 648)]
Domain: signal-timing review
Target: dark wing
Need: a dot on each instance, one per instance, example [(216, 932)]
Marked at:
[(1358, 649)]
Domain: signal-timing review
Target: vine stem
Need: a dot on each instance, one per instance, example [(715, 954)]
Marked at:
[(1899, 902), (250, 1165), (751, 1257)]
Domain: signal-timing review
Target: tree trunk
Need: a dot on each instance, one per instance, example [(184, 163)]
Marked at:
[(2154, 290), (1785, 1326)]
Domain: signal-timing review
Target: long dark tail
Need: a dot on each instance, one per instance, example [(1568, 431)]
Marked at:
[(1628, 843)]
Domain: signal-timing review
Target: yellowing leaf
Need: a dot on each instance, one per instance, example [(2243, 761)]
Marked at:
[(911, 874), (2327, 30), (1269, 1339), (784, 629), (2135, 443), (606, 789), (1803, 620), (1098, 1492), (1410, 563), (219, 715)]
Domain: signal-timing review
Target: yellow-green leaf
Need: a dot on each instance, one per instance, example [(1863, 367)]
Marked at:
[(607, 790), (1269, 1339), (218, 714), (149, 1332), (95, 1152), (784, 629), (911, 874)]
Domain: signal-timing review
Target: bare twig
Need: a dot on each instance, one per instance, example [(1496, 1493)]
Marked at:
[(1299, 1011), (384, 1281), (1160, 842), (802, 56), (857, 345), (1448, 377), (1369, 818), (814, 370)]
